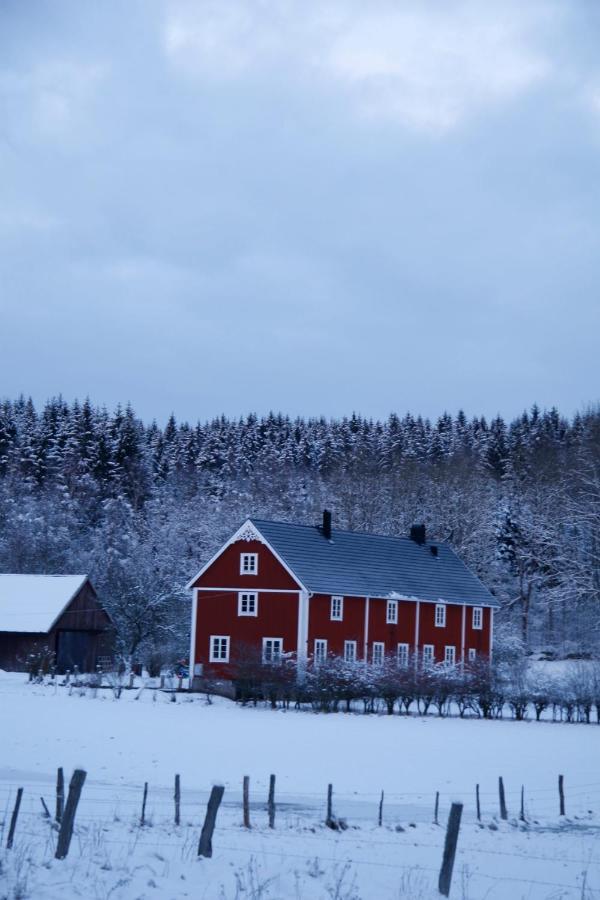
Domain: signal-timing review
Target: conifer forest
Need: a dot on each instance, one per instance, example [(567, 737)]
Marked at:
[(140, 507)]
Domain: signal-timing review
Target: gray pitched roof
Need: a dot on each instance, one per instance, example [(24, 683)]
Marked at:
[(373, 565)]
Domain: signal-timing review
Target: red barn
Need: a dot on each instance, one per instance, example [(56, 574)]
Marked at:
[(311, 591)]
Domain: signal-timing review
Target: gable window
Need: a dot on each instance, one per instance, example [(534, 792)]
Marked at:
[(378, 653), (219, 648), (350, 651), (391, 613), (440, 615), (248, 563), (428, 655), (403, 655), (272, 649), (477, 618), (337, 609), (472, 654), (320, 651), (449, 656), (247, 603)]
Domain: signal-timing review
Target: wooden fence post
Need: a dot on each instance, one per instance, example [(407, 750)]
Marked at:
[(522, 812), (561, 794), (503, 810), (60, 794), (13, 819), (205, 844), (177, 798), (436, 808), (145, 797), (271, 801), (68, 818), (380, 818), (329, 821), (477, 803), (45, 808), (246, 801), (445, 879)]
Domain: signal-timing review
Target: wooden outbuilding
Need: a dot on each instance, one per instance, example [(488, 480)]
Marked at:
[(56, 619)]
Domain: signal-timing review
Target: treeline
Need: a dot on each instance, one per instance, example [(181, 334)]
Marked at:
[(139, 507)]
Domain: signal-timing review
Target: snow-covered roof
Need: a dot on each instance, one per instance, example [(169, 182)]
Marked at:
[(33, 603)]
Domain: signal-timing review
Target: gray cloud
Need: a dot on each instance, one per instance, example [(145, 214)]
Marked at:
[(221, 207)]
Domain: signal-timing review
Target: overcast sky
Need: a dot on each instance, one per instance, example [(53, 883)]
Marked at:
[(313, 207)]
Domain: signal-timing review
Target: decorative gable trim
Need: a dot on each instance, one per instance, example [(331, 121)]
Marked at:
[(246, 532)]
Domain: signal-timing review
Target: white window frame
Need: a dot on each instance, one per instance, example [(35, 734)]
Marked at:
[(336, 608), (252, 597), (428, 654), (377, 648), (440, 615), (218, 658), (472, 654), (264, 649), (351, 646), (452, 654), (252, 560), (320, 651), (477, 618), (403, 655), (391, 612)]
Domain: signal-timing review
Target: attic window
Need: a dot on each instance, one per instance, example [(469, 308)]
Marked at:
[(440, 615), (248, 563), (391, 614)]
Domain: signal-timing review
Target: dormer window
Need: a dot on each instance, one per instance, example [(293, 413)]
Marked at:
[(249, 564)]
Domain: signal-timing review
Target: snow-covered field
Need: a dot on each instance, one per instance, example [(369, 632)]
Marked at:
[(122, 743)]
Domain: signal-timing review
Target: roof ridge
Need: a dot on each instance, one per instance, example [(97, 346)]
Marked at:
[(374, 534)]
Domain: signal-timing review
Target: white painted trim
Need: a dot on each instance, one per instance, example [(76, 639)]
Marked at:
[(394, 602), (354, 644), (218, 637), (192, 660), (472, 655), (264, 640), (435, 615), (417, 627), (246, 531), (325, 647), (248, 594), (406, 649), (247, 572), (378, 644), (432, 648), (339, 618), (302, 639), (462, 635), (453, 648), (366, 635), (234, 590), (478, 609)]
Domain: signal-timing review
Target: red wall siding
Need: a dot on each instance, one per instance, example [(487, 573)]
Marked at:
[(392, 635), (351, 628), (429, 633), (478, 640), (217, 613), (225, 570)]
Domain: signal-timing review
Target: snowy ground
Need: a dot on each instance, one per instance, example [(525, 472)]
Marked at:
[(123, 743)]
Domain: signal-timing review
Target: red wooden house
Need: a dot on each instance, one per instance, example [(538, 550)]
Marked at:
[(312, 591)]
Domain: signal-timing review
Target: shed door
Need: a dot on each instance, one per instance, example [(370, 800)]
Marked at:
[(76, 648)]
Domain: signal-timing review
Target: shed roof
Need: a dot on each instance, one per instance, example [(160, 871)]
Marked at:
[(374, 565), (33, 603)]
